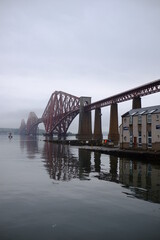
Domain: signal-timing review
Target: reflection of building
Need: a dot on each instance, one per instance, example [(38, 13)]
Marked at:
[(140, 129), (143, 179)]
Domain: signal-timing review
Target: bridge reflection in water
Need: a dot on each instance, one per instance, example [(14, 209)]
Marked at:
[(139, 179)]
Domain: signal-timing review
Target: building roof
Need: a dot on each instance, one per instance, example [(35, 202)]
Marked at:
[(142, 111)]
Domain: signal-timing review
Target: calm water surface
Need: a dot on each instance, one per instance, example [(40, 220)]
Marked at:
[(59, 192)]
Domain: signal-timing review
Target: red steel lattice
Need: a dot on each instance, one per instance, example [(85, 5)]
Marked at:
[(61, 109)]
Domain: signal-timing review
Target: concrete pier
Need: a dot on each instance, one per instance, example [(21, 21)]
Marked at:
[(136, 103), (97, 125), (85, 125), (113, 129)]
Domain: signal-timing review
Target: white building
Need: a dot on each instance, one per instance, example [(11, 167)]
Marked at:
[(140, 129)]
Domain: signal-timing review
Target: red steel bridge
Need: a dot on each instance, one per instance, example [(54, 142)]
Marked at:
[(62, 108)]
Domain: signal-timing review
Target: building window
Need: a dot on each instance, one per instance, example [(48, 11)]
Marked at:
[(139, 138), (149, 139), (139, 119), (131, 140), (130, 120), (149, 118)]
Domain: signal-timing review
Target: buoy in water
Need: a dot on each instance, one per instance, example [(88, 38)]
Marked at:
[(10, 135)]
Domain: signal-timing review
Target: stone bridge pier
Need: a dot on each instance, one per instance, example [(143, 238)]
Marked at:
[(136, 103), (97, 125), (114, 127), (85, 121)]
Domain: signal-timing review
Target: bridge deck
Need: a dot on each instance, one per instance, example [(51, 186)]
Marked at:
[(150, 88)]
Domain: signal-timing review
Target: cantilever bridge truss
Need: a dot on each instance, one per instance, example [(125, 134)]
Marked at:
[(62, 108)]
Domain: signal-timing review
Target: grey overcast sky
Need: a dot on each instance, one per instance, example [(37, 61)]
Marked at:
[(91, 48)]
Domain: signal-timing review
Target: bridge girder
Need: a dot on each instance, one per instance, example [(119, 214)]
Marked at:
[(146, 89)]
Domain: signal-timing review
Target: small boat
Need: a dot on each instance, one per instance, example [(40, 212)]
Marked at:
[(10, 135)]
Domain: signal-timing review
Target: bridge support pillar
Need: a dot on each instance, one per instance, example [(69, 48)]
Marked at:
[(113, 129), (85, 126), (97, 125), (136, 103)]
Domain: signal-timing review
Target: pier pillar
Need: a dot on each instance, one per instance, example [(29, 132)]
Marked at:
[(85, 126), (136, 103), (113, 129), (97, 125)]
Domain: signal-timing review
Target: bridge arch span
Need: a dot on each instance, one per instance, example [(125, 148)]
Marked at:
[(61, 127), (61, 109)]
